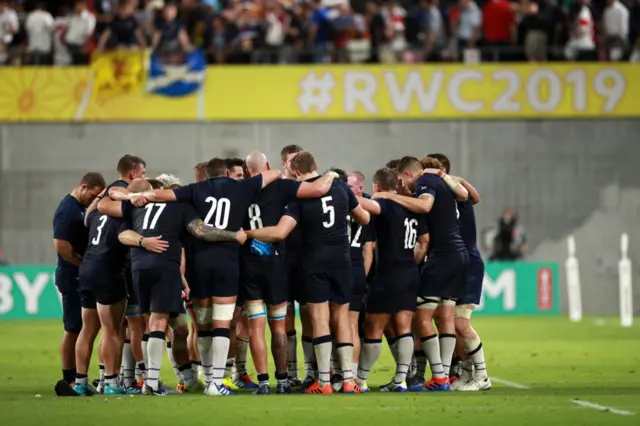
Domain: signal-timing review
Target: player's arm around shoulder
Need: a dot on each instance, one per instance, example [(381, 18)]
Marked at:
[(372, 206), (270, 176), (274, 234), (198, 229), (420, 205), (110, 207), (93, 207), (317, 188), (459, 191), (473, 192), (131, 238)]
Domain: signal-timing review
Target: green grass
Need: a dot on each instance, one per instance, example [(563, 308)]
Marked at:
[(557, 360)]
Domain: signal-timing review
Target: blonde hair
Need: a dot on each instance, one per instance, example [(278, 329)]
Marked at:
[(168, 180), (431, 163)]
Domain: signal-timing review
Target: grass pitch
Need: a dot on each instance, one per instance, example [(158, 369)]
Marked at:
[(546, 367)]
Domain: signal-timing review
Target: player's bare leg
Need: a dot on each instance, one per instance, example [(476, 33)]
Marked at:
[(170, 338), (241, 377), (374, 328), (203, 310), (429, 339), (354, 320), (222, 313), (473, 349), (444, 317), (344, 345), (292, 346), (279, 344), (257, 323), (84, 349), (111, 318), (192, 340), (319, 316), (181, 356)]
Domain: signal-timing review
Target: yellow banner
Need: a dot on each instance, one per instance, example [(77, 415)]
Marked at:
[(326, 93)]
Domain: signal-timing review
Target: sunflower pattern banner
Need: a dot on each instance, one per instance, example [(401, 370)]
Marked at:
[(137, 88)]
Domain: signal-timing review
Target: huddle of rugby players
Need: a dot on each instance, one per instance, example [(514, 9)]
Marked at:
[(236, 249)]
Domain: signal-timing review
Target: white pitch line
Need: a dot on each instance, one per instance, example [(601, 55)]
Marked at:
[(602, 407), (509, 384)]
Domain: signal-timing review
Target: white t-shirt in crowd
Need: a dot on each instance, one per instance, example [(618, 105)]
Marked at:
[(39, 26)]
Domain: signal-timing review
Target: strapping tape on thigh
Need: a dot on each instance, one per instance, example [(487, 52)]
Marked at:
[(204, 315), (463, 312), (427, 302), (179, 322), (448, 302), (223, 312), (278, 313), (255, 310)]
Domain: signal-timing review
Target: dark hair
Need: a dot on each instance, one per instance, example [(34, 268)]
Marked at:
[(386, 179), (392, 164), (304, 163), (444, 160), (128, 163), (92, 180), (289, 149), (407, 162), (155, 183), (216, 167), (342, 175), (234, 162)]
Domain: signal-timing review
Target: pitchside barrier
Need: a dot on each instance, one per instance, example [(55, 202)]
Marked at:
[(509, 289)]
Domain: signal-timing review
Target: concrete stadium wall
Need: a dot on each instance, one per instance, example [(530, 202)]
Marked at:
[(564, 177)]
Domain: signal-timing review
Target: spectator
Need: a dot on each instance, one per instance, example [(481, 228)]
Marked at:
[(293, 42), (435, 41), (498, 29), (275, 29), (321, 32), (581, 44), (80, 27), (395, 41), (147, 17), (535, 26), (9, 26), (217, 40), (510, 240), (195, 17), (105, 11), (170, 39), (39, 26), (468, 29), (123, 31), (376, 30), (615, 25), (634, 31)]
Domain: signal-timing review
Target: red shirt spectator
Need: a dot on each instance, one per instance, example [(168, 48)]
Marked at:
[(497, 21)]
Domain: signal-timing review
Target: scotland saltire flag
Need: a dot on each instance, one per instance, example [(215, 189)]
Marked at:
[(176, 80)]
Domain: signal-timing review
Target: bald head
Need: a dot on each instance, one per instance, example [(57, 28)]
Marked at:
[(139, 185), (256, 163)]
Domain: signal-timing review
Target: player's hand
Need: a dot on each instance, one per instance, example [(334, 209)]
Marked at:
[(186, 292), (155, 244), (241, 236), (432, 171), (139, 201), (333, 174)]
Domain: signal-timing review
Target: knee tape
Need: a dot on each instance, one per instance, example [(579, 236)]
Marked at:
[(132, 311), (471, 345), (255, 310), (204, 315), (179, 323), (428, 302), (278, 313), (223, 312), (463, 312), (447, 302)]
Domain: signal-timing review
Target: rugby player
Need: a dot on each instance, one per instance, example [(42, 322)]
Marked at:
[(262, 270), (293, 244), (326, 267), (103, 296), (222, 202), (467, 336), (402, 238), (362, 242), (133, 366), (70, 241), (157, 277), (443, 279)]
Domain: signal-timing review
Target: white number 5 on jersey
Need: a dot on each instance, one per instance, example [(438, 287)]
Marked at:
[(328, 209)]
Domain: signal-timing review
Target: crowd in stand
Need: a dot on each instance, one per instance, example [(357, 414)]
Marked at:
[(320, 31)]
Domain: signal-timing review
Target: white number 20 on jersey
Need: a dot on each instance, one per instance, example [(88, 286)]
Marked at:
[(222, 209)]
